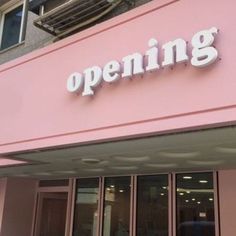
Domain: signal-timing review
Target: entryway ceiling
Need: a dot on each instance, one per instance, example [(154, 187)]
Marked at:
[(211, 149)]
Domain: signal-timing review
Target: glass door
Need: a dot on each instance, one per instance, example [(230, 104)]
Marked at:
[(51, 214), (195, 208)]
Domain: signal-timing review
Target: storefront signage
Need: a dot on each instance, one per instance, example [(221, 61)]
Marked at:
[(203, 54)]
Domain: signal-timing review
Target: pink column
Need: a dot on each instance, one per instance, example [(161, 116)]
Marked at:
[(17, 198), (227, 196)]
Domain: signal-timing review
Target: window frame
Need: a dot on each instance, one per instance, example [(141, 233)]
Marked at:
[(5, 10)]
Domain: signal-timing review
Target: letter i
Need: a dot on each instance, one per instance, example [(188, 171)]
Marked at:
[(152, 55)]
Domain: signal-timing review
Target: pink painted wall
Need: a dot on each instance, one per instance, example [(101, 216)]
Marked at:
[(18, 210), (37, 111), (227, 202)]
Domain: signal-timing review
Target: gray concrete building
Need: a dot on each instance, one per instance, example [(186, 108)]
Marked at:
[(29, 36)]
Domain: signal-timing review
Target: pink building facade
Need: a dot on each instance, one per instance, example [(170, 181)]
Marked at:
[(174, 119)]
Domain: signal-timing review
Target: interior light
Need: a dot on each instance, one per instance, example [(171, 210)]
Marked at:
[(187, 177), (121, 190), (181, 194), (203, 181), (188, 192), (90, 160), (186, 200), (162, 194), (211, 199), (164, 187), (181, 155), (198, 203), (193, 199), (112, 186)]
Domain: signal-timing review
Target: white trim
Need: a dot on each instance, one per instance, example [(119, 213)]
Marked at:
[(69, 210), (2, 18), (10, 5), (73, 192), (41, 10), (24, 10)]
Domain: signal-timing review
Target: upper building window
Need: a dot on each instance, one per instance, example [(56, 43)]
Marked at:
[(12, 27)]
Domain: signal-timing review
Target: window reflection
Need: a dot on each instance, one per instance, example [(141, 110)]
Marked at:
[(86, 209), (195, 204), (11, 28), (117, 206), (152, 206)]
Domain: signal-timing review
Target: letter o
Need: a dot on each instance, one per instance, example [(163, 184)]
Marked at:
[(74, 82)]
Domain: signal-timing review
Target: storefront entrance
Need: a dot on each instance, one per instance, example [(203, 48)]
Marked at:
[(150, 205), (173, 204)]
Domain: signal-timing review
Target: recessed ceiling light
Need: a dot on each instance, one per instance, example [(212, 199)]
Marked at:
[(121, 190), (42, 173), (162, 194), (186, 200), (179, 154), (66, 172), (211, 199), (21, 175), (188, 192), (198, 203), (187, 177), (90, 161), (204, 163), (227, 150), (181, 194), (164, 187), (193, 199), (131, 159), (158, 165), (95, 170), (124, 167), (203, 181)]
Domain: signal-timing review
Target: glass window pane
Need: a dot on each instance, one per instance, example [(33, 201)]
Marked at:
[(117, 206), (86, 208), (152, 206), (195, 204), (11, 28)]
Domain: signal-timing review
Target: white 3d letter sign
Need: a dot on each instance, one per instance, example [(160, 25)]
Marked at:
[(203, 54)]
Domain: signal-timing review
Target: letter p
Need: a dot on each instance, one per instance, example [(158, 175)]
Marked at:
[(93, 77)]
